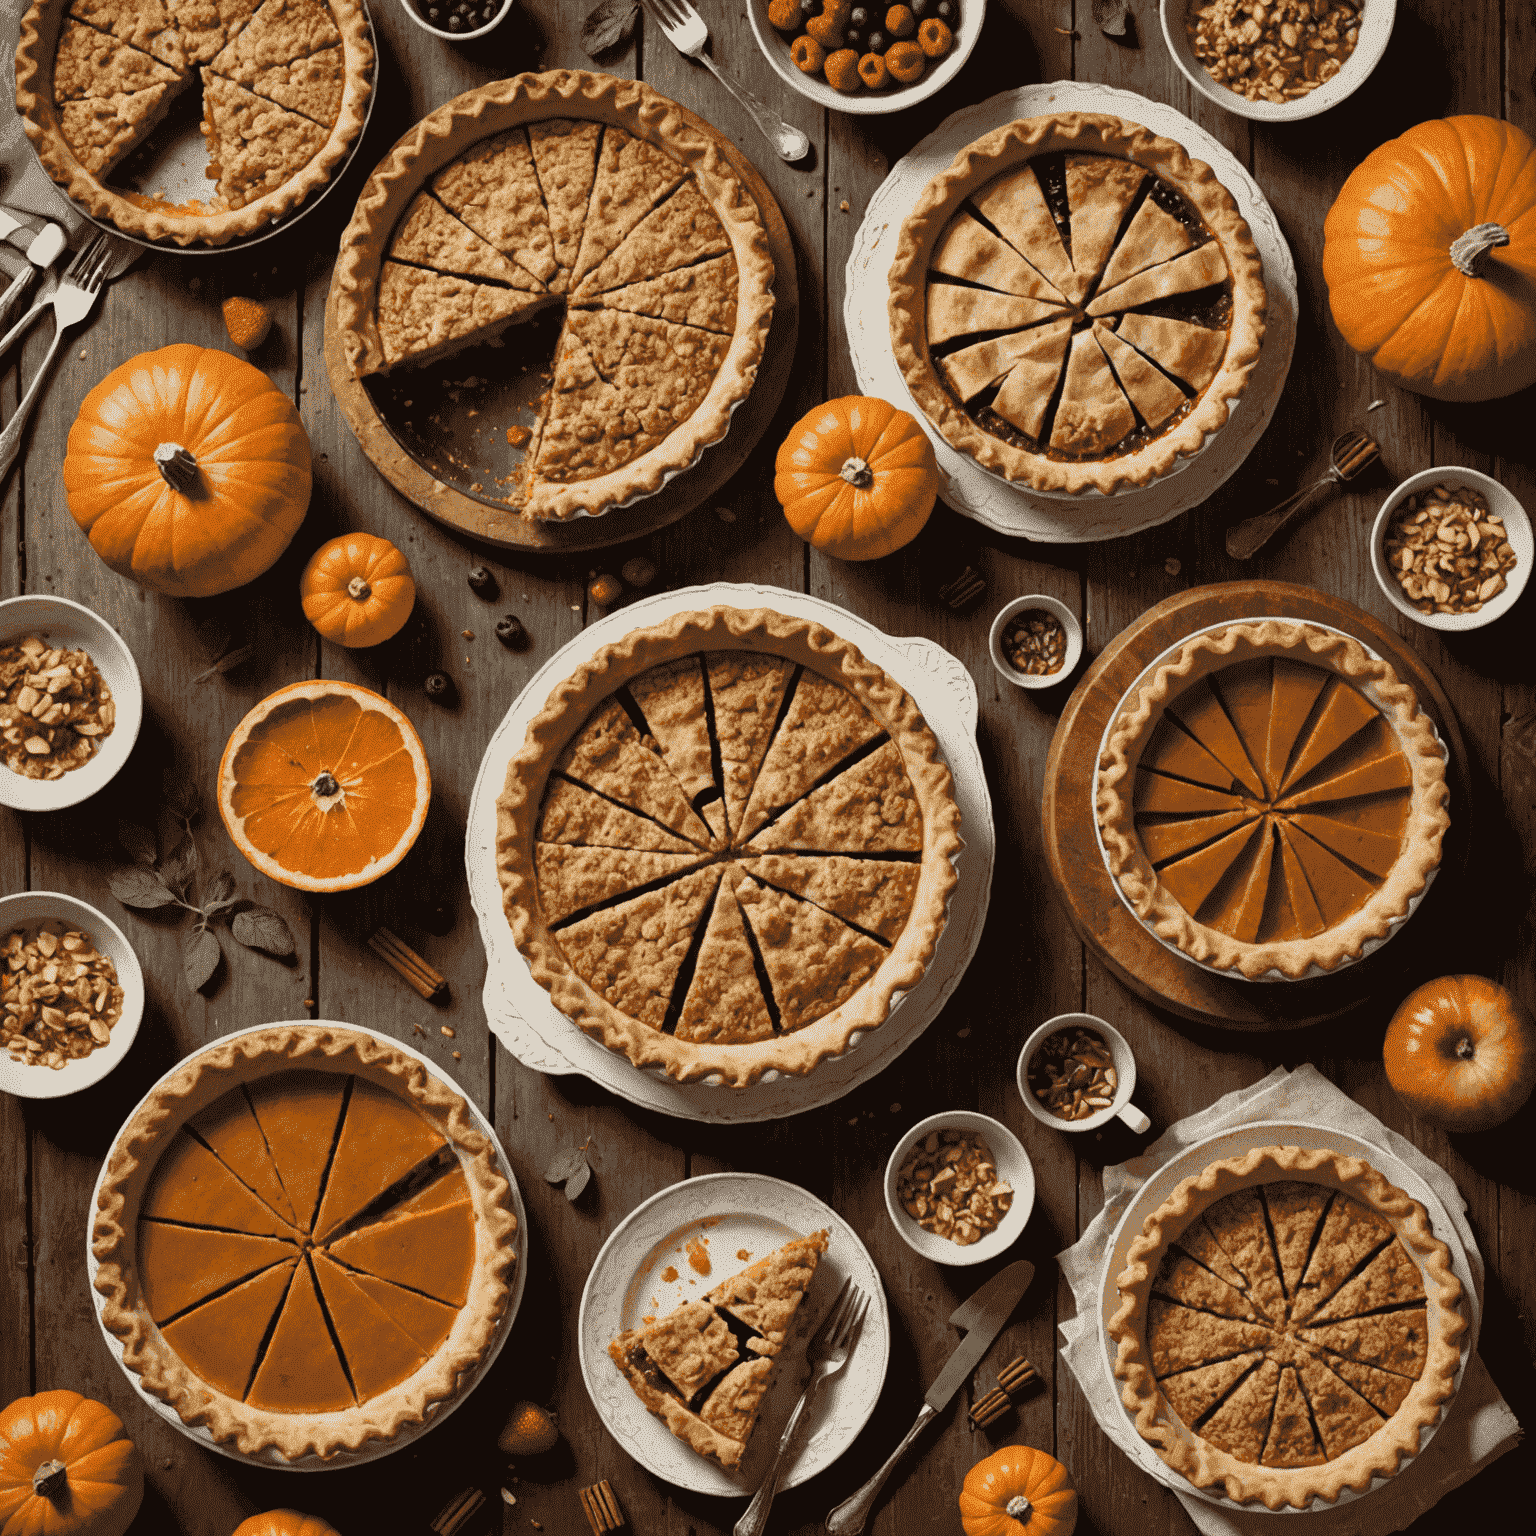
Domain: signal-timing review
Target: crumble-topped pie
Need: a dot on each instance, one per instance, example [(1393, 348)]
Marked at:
[(704, 1368), (1272, 798), (601, 198), (1075, 302), (1288, 1324), (304, 1241), (284, 87), (728, 844)]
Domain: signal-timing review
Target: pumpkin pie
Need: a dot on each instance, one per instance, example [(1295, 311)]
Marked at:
[(599, 196), (1272, 799), (704, 1368), (1075, 303), (348, 1317), (284, 86), (1236, 1379), (726, 844)]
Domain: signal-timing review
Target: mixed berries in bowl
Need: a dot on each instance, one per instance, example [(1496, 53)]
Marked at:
[(457, 20)]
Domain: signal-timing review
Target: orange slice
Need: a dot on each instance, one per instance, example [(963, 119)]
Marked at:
[(1171, 751), (298, 1112), (234, 1137), (221, 1339), (430, 1251), (191, 1185), (379, 1353), (1299, 915), (1345, 714), (1159, 796), (1191, 880), (1247, 694), (1169, 839), (1297, 687), (427, 1321), (301, 1371), (1339, 890), (324, 786), (1375, 852), (179, 1266), (1199, 711)]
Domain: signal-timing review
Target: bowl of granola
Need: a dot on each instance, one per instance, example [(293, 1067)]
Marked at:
[(1277, 61), (71, 995), (70, 703)]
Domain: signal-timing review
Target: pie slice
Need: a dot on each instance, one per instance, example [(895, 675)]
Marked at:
[(610, 756), (1196, 1391), (228, 1128), (1389, 1279), (431, 1251), (1244, 914), (1152, 237), (1025, 394), (1299, 915), (1093, 413), (204, 26), (731, 1409), (1189, 352), (565, 157), (573, 814), (671, 697), (193, 1187), (632, 954), (221, 1340), (1239, 1427), (1294, 1209), (1189, 273), (955, 311), (868, 808), (494, 188), (1345, 713), (450, 1188), (142, 24), (1196, 1240), (1179, 1278), (703, 295), (1292, 1440), (1246, 691), (1168, 839), (1156, 397), (574, 878), (1015, 206), (1349, 1235), (101, 130), (1342, 1416), (92, 63), (1381, 1389), (632, 177), (301, 1371), (425, 315), (815, 962), (1174, 752), (690, 1346), (586, 430), (181, 1266), (280, 32), (1338, 889), (747, 690), (1378, 775), (1374, 852), (314, 87), (1099, 191), (873, 894), (1158, 795), (429, 236), (980, 365), (428, 1322), (766, 1295), (377, 1352), (1180, 1338), (1237, 1222), (1391, 1341), (677, 232), (1191, 880), (1199, 711), (725, 1003), (970, 251), (1297, 688), (299, 1112), (254, 145)]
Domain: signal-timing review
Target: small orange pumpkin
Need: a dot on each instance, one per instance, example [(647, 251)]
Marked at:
[(357, 590), (1018, 1491), (67, 1468), (188, 470), (857, 478), (285, 1522), (1461, 1052)]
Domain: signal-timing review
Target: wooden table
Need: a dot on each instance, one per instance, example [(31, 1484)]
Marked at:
[(1446, 56)]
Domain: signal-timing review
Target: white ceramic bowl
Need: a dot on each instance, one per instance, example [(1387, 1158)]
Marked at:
[(1516, 524), (1012, 1162), (70, 624), (1125, 1077), (1007, 671), (775, 47), (456, 37), (1376, 19), (28, 910)]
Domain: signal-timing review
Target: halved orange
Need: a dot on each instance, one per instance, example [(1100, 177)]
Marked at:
[(324, 786)]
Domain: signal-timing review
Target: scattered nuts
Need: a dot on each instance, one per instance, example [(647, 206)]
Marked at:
[(482, 582), (439, 686), (55, 709), (1448, 552), (638, 572), (605, 591), (949, 1185), (510, 631), (1273, 50), (1034, 642), (1072, 1073), (59, 997)]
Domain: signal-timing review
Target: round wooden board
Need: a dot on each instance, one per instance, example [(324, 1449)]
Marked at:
[(503, 527), (1106, 926)]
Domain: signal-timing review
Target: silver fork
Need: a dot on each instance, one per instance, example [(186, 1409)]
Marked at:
[(828, 1354), (687, 33), (72, 301)]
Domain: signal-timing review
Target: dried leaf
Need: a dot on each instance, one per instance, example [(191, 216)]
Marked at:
[(220, 896), (183, 799), (608, 25), (227, 662), (262, 928), (1110, 16), (578, 1182), (565, 1167), (200, 959), (138, 843), (180, 865), (137, 887)]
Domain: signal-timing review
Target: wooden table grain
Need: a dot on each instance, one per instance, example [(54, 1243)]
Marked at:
[(1446, 56)]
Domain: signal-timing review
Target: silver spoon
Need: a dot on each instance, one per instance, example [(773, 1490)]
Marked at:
[(1353, 452)]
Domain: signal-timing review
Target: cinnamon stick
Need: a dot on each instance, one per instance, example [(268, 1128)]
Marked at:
[(432, 985)]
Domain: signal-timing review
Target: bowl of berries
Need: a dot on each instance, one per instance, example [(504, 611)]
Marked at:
[(869, 56), (457, 21)]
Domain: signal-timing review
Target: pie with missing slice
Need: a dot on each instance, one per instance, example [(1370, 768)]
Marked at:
[(1075, 303), (1288, 1325), (727, 845), (1272, 798), (595, 197), (304, 1241), (705, 1367)]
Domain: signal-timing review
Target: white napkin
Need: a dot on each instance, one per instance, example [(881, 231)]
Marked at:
[(1479, 1427)]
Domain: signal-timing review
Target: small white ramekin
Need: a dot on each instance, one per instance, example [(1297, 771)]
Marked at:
[(1069, 622), (456, 37)]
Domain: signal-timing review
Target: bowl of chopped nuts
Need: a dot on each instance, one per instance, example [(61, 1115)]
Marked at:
[(71, 995), (1076, 1073), (70, 703), (1452, 549), (959, 1187), (1035, 641), (1277, 61)]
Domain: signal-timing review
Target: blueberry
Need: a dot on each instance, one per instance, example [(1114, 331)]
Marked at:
[(858, 17), (919, 8), (944, 10), (854, 39), (878, 42)]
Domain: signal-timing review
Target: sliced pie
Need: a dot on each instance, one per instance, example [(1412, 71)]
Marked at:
[(747, 690), (632, 177), (424, 314), (144, 24), (429, 236), (873, 894), (101, 130), (254, 145), (574, 879), (221, 1341), (868, 808), (704, 295), (494, 189), (954, 311), (672, 700), (182, 1266), (680, 230), (573, 814), (725, 1003), (565, 157)]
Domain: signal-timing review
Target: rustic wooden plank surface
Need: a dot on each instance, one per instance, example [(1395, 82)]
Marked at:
[(1446, 56)]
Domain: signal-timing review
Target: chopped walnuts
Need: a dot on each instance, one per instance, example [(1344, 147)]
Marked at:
[(1072, 1074), (949, 1185), (1035, 642), (55, 709), (59, 997), (1449, 553), (1273, 50)]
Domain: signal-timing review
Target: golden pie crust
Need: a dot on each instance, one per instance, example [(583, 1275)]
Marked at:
[(926, 239), (145, 217), (836, 945), (647, 384), (1193, 1377), (475, 1183), (1379, 873)]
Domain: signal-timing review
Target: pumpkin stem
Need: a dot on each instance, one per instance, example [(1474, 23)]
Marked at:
[(359, 589), (856, 472), (49, 1479), (177, 467), (1465, 1050), (1020, 1507), (1469, 250), (325, 785)]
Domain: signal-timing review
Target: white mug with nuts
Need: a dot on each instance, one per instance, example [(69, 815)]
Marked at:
[(1077, 1073)]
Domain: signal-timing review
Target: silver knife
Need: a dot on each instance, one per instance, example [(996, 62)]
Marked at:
[(982, 1318)]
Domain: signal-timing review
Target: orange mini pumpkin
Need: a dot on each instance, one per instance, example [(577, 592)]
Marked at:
[(67, 1468), (857, 478), (357, 590), (284, 1522), (1018, 1491), (189, 471)]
